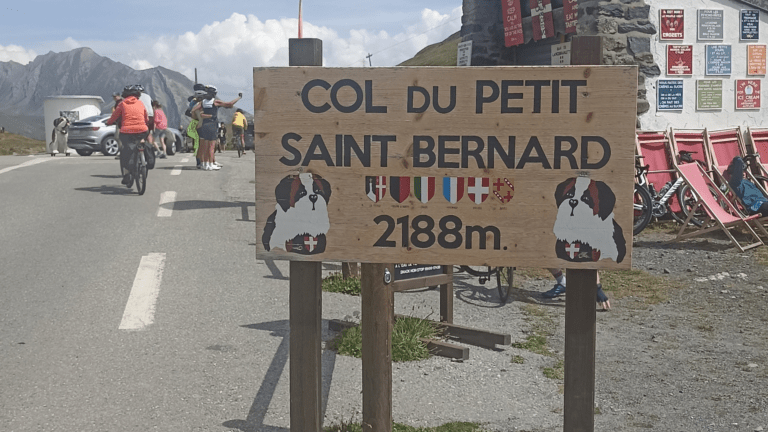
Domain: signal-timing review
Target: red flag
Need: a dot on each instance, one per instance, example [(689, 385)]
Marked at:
[(571, 15), (513, 22), (541, 14)]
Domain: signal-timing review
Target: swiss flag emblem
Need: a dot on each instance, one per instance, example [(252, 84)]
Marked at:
[(478, 189), (375, 187)]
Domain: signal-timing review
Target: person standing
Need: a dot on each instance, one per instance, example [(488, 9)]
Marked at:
[(117, 98), (222, 137), (210, 106), (161, 124)]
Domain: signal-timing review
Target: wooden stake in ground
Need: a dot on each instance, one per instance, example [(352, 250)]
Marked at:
[(377, 349)]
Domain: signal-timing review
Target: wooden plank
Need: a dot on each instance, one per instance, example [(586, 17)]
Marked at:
[(305, 305), (446, 349), (580, 316), (377, 349), (422, 282), (335, 131), (472, 336)]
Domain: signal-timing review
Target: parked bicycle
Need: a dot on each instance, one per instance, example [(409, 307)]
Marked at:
[(648, 203), (504, 277)]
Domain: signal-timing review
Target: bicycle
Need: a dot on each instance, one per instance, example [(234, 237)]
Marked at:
[(238, 144), (504, 277), (140, 170), (648, 203)]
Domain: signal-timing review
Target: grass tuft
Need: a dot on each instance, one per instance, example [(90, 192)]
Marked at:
[(406, 340), (11, 143), (337, 284), (651, 289)]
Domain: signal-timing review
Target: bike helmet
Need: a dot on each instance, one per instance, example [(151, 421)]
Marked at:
[(211, 90), (140, 88), (131, 90)]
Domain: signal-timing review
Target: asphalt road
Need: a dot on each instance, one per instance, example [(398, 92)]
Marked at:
[(76, 250)]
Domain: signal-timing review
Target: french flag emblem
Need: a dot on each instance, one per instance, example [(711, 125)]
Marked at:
[(453, 189)]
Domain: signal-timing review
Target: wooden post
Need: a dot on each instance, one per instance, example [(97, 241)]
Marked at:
[(305, 304), (377, 348), (580, 314), (580, 319), (446, 299)]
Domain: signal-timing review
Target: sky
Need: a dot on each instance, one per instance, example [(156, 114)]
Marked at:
[(225, 39)]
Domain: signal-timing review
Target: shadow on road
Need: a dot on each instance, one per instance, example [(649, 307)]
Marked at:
[(206, 204), (116, 176), (254, 422), (109, 190)]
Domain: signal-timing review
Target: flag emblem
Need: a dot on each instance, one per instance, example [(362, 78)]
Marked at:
[(541, 19), (424, 188), (453, 189), (503, 190), (478, 189), (400, 188), (375, 187)]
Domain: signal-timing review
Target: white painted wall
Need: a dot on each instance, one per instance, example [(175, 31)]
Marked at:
[(689, 117), (87, 106)]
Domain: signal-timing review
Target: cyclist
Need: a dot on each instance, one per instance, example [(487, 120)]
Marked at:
[(133, 128), (239, 123)]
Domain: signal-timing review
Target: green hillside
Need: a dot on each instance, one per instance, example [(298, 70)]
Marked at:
[(20, 145), (439, 54)]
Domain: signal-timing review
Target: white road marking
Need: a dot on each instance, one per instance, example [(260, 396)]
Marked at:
[(185, 160), (25, 164), (166, 204), (140, 309), (176, 170)]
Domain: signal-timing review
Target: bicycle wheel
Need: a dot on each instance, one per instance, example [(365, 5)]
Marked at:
[(141, 173), (504, 279), (643, 205), (687, 201)]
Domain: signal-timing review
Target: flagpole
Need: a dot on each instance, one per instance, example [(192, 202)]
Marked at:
[(299, 19)]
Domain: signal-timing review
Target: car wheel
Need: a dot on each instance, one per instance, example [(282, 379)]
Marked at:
[(84, 152), (171, 147), (109, 145)]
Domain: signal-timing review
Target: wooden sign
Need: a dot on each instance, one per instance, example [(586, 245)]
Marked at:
[(755, 59), (669, 95), (710, 24), (512, 166), (679, 59), (748, 94), (709, 95), (718, 59), (750, 25), (672, 23)]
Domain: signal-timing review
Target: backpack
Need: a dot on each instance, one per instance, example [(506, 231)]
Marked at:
[(149, 155)]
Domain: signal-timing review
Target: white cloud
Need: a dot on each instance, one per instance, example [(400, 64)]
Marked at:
[(17, 54), (225, 52)]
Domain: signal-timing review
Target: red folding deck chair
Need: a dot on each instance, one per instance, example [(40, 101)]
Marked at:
[(692, 141), (656, 151), (717, 218), (758, 139)]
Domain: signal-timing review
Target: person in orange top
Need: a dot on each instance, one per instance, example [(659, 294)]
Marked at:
[(133, 128)]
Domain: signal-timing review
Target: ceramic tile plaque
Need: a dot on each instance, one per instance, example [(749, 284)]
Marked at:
[(755, 59), (718, 60), (710, 24), (747, 94), (749, 25), (709, 94), (679, 59), (672, 22), (669, 95)]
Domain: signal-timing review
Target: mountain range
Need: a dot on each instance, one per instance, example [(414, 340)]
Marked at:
[(23, 88)]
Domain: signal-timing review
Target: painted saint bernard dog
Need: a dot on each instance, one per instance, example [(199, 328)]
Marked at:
[(300, 220), (584, 227)]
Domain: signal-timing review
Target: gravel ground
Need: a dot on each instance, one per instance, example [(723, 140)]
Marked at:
[(696, 362)]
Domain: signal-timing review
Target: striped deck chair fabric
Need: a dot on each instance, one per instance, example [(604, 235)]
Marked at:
[(724, 145), (657, 154), (724, 219), (693, 141), (758, 138)]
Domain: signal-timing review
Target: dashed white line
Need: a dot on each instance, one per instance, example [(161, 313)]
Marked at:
[(176, 170), (166, 204), (25, 164), (140, 309)]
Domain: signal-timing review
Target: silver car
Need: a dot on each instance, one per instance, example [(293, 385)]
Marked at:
[(92, 134)]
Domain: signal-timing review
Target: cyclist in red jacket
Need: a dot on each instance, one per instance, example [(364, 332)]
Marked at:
[(133, 128)]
